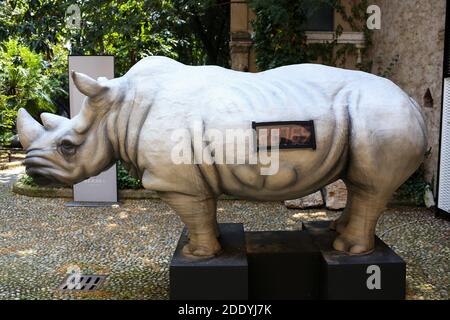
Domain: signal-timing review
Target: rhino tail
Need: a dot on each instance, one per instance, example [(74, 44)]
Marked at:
[(421, 121)]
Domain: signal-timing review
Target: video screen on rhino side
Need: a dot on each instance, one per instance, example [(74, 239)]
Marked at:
[(287, 134)]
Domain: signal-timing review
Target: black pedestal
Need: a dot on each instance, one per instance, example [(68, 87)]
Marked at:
[(220, 278), (291, 265), (380, 275), (283, 265)]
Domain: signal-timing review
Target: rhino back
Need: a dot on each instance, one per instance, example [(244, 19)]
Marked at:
[(224, 99)]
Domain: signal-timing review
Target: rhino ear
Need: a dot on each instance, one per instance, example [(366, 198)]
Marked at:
[(88, 86), (51, 120), (27, 128)]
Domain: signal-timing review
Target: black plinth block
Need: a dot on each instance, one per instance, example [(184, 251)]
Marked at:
[(220, 278), (283, 265), (355, 277)]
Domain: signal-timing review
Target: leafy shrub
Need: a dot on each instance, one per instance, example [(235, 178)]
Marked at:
[(7, 121), (26, 81), (28, 181), (124, 180), (57, 71), (413, 189)]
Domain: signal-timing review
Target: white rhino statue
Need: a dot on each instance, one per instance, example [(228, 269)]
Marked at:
[(368, 132)]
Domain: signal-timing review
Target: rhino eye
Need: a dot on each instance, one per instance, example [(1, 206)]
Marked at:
[(67, 148)]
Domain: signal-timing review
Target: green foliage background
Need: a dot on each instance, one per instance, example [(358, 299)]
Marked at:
[(26, 81), (279, 32), (35, 41)]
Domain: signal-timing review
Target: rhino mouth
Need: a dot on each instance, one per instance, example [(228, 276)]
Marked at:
[(42, 172), (42, 179)]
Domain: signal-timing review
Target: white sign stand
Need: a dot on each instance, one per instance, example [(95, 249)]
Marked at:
[(100, 190)]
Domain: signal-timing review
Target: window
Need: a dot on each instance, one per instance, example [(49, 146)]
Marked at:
[(320, 18)]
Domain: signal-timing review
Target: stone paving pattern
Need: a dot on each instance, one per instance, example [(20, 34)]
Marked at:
[(40, 240)]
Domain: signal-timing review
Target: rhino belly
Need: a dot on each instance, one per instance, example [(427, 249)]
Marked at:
[(294, 179), (300, 171)]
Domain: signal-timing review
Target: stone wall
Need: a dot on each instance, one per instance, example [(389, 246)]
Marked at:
[(414, 29)]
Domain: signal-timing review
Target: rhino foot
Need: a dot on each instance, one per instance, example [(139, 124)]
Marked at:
[(353, 246), (203, 251)]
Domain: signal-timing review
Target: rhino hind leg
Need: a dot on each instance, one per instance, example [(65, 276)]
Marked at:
[(199, 216), (374, 173), (369, 190), (356, 228)]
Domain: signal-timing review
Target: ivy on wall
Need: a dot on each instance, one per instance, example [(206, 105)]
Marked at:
[(280, 34), (356, 19), (279, 37)]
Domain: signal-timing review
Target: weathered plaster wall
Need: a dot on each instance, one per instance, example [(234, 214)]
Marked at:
[(414, 29)]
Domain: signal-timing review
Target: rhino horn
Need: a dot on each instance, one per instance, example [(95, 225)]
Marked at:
[(88, 86), (27, 128), (51, 120)]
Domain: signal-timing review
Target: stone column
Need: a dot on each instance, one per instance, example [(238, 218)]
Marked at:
[(240, 46), (240, 36)]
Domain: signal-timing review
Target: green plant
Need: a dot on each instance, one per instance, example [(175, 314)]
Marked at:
[(414, 188), (194, 32), (56, 69), (124, 180), (25, 82), (356, 19), (5, 138), (279, 34), (28, 181), (7, 120)]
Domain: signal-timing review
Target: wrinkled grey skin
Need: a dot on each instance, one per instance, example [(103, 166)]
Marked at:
[(368, 132)]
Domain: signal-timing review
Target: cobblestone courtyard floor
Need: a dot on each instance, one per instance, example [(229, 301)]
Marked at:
[(40, 239)]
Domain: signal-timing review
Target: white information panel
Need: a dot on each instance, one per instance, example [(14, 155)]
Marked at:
[(444, 167), (101, 188)]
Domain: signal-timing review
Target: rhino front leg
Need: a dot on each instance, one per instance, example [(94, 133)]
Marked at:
[(199, 216)]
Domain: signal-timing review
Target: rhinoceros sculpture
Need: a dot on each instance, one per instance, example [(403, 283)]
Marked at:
[(368, 132)]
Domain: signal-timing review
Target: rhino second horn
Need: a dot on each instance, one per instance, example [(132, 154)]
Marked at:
[(27, 128), (51, 120), (86, 85)]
